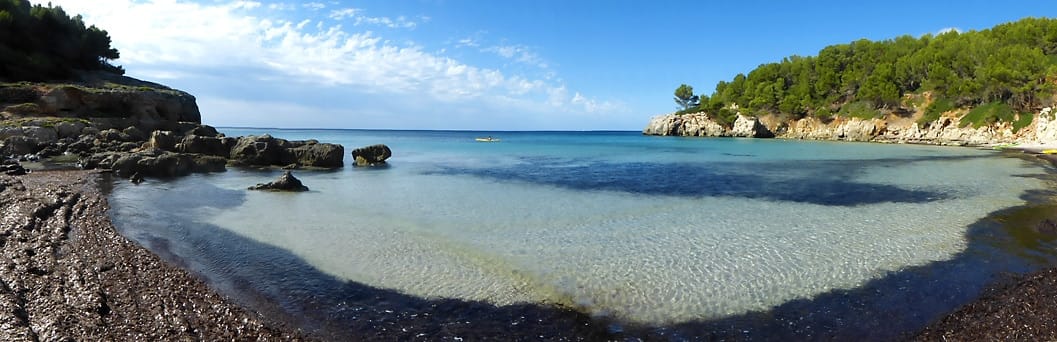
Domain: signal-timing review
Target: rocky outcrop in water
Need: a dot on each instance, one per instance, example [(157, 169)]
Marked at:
[(267, 150), (374, 155), (286, 182), (946, 130)]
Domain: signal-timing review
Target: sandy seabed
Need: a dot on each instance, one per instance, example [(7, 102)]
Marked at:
[(66, 274)]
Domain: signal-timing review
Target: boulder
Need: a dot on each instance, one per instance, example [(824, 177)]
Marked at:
[(315, 155), (264, 150), (151, 163), (371, 155), (134, 134), (12, 168), (17, 145), (749, 127), (256, 150), (205, 145), (286, 182), (164, 140), (205, 131), (69, 129), (114, 135), (206, 163)]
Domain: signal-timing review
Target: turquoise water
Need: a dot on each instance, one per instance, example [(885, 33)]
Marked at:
[(653, 230)]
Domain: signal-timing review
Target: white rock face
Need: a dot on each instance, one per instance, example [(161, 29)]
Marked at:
[(943, 131), (1046, 127), (749, 127), (695, 124)]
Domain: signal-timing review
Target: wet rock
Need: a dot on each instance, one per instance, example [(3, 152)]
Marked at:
[(264, 150), (315, 154), (256, 150), (151, 162), (373, 155), (136, 178), (12, 168), (207, 163), (286, 182)]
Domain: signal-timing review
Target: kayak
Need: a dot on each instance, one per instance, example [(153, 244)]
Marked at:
[(488, 139)]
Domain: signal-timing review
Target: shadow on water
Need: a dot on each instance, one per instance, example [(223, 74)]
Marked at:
[(282, 286), (822, 182)]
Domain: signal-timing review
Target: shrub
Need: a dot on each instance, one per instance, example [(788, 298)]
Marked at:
[(987, 114), (935, 109), (860, 109)]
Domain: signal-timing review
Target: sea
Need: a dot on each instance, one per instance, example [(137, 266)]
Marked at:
[(640, 230)]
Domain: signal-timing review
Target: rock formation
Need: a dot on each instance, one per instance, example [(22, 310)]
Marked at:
[(373, 155), (266, 150), (286, 182), (943, 131), (133, 126)]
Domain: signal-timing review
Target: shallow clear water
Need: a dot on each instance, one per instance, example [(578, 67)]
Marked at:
[(653, 230)]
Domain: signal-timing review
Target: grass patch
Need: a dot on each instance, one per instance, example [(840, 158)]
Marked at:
[(1023, 120), (913, 101), (41, 122), (987, 114), (23, 109), (862, 110), (935, 109)]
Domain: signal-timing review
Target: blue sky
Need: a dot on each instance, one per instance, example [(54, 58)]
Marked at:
[(485, 65)]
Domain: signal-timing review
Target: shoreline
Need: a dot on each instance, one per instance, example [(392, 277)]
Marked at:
[(383, 311), (67, 274)]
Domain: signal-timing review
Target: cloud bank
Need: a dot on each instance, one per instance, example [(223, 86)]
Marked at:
[(318, 48)]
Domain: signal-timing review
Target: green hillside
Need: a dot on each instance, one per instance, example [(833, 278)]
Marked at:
[(1011, 68)]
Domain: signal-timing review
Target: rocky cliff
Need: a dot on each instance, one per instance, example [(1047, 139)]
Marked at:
[(135, 127), (893, 129)]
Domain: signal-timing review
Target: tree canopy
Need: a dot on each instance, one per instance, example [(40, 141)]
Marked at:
[(1014, 64), (685, 98), (41, 43)]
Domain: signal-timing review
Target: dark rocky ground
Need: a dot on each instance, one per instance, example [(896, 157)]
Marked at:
[(1024, 309), (66, 274)]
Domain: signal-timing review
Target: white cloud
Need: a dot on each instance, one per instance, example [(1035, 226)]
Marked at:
[(176, 39), (343, 13), (315, 6), (518, 53), (282, 6), (358, 18)]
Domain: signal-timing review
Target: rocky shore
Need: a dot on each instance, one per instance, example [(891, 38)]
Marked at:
[(66, 274), (892, 128), (136, 127)]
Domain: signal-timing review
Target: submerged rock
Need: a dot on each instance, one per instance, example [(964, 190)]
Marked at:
[(373, 155), (286, 182)]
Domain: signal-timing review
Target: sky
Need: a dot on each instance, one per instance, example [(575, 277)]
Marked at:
[(484, 64)]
